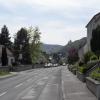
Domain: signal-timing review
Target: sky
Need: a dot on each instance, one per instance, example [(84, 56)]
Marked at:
[(58, 20)]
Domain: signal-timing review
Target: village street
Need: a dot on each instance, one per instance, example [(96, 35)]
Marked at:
[(44, 84)]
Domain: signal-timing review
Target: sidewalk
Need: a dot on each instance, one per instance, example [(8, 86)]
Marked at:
[(73, 89)]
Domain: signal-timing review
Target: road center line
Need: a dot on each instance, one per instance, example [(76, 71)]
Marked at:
[(3, 94), (18, 85)]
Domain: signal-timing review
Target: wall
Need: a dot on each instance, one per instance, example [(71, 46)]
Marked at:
[(91, 26)]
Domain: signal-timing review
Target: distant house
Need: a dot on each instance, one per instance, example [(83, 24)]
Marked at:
[(93, 23), (9, 55)]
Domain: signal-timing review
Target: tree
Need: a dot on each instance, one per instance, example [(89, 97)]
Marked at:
[(35, 44), (4, 57), (72, 56), (4, 37), (95, 41), (22, 46)]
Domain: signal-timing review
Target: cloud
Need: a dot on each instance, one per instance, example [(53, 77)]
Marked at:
[(59, 20)]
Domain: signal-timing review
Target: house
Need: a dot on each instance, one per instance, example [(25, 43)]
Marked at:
[(93, 23), (9, 55)]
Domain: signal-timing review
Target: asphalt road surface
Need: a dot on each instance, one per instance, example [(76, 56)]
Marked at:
[(37, 84)]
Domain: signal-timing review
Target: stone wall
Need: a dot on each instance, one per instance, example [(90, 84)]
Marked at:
[(4, 68), (21, 68)]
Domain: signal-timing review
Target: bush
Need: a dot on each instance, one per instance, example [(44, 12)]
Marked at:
[(90, 64), (87, 56), (81, 63), (82, 69), (94, 57), (96, 74)]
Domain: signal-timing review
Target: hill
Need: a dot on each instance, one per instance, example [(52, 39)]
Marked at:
[(49, 48), (76, 44)]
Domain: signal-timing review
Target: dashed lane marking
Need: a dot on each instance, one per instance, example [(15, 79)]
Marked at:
[(3, 94), (18, 85)]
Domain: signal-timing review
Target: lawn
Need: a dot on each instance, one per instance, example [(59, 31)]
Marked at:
[(3, 73)]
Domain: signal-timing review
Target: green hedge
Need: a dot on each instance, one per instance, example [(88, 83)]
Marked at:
[(84, 68), (96, 74), (93, 58)]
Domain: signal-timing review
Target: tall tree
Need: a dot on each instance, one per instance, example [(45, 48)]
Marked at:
[(4, 57), (73, 56), (95, 41), (35, 44), (22, 47), (4, 37)]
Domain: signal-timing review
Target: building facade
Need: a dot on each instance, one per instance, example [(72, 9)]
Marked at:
[(9, 56), (93, 23)]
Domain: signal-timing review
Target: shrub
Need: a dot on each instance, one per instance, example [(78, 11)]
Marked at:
[(81, 63), (82, 69), (87, 56), (94, 57), (96, 74)]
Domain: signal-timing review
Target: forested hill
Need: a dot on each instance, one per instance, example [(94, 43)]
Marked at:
[(76, 44), (49, 48)]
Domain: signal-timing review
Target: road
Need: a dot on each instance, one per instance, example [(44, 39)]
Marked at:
[(44, 84), (36, 84)]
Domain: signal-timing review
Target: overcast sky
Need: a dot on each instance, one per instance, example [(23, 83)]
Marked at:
[(58, 20)]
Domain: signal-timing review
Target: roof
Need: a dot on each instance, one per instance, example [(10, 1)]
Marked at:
[(93, 18), (9, 53)]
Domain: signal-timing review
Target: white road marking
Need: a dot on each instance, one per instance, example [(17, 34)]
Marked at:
[(18, 85), (3, 94)]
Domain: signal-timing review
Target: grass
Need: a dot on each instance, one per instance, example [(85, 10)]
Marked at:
[(96, 74), (3, 73)]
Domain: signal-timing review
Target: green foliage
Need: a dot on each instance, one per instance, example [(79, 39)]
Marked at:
[(82, 69), (87, 56), (96, 74), (4, 57), (75, 66), (85, 67), (22, 46), (80, 63), (5, 38), (73, 56), (94, 57), (95, 41), (35, 45), (2, 73)]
